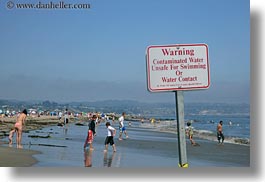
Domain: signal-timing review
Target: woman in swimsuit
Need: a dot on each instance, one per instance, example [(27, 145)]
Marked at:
[(18, 128)]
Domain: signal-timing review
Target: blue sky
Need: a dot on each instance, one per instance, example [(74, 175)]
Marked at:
[(99, 53)]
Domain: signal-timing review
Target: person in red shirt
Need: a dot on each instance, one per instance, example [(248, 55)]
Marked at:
[(91, 133)]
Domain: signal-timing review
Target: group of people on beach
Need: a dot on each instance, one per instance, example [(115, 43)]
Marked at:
[(65, 117), (111, 132), (109, 140), (220, 135)]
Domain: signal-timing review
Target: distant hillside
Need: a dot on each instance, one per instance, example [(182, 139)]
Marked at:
[(130, 107)]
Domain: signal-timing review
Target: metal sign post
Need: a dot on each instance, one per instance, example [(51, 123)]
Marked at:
[(181, 129)]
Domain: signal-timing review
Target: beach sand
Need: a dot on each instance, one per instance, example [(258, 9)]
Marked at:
[(13, 157)]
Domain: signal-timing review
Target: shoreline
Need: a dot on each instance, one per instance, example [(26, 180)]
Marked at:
[(35, 123), (197, 134), (142, 141)]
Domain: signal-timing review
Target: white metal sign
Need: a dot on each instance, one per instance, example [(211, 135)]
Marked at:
[(177, 67)]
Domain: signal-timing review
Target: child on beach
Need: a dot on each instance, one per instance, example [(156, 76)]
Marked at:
[(122, 127), (109, 138), (18, 128), (91, 133), (189, 132)]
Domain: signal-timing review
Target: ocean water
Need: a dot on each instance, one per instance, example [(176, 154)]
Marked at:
[(205, 117)]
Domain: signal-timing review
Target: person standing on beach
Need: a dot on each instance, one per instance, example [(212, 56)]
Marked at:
[(91, 133), (66, 117), (18, 128), (122, 127), (113, 119), (189, 132), (60, 115), (109, 138), (220, 134)]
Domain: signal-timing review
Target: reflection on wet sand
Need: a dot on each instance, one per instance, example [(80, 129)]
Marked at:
[(65, 130), (108, 159), (88, 158)]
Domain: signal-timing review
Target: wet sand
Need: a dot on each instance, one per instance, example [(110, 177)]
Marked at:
[(13, 157), (209, 153)]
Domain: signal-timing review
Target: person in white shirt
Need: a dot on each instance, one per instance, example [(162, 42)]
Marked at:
[(109, 138), (60, 115), (122, 127)]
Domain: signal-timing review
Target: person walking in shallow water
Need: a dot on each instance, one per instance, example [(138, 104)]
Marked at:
[(220, 134), (110, 137), (91, 133), (122, 127), (18, 128)]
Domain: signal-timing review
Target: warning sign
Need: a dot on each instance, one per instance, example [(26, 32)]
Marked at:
[(177, 67)]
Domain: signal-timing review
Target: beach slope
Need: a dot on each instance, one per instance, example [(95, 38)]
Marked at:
[(13, 157)]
